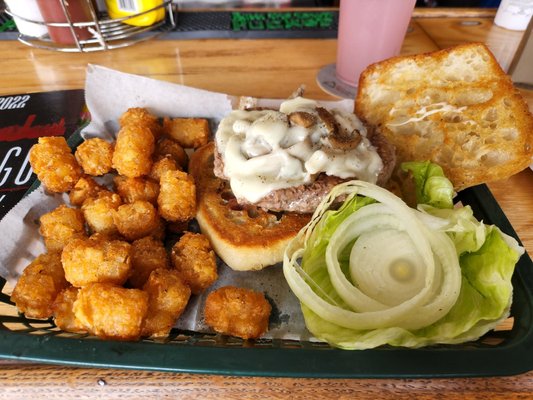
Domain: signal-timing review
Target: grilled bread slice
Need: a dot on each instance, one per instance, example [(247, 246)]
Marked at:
[(455, 107), (244, 237)]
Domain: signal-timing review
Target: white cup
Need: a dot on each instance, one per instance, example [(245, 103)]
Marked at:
[(514, 14), (28, 10)]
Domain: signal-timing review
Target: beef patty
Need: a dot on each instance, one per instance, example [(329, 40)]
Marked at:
[(306, 198)]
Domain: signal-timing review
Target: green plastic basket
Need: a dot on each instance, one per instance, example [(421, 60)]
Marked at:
[(500, 352)]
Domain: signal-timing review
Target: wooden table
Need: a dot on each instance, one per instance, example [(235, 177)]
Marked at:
[(268, 68)]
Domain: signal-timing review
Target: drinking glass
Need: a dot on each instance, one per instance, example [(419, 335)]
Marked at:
[(369, 31)]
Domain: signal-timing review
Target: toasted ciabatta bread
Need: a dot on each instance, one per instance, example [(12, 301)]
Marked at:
[(245, 238), (455, 107)]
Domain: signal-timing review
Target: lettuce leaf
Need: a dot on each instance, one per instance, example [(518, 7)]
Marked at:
[(431, 185), (484, 301), (467, 233), (486, 256)]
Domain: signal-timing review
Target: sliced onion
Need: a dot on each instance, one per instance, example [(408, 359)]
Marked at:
[(401, 273)]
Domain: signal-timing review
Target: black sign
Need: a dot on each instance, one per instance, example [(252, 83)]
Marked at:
[(23, 119)]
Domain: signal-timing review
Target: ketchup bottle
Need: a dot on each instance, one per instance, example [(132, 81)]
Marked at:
[(79, 11)]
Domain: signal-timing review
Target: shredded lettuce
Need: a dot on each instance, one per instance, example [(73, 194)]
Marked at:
[(376, 272)]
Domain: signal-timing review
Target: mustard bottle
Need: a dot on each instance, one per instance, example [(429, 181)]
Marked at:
[(125, 8)]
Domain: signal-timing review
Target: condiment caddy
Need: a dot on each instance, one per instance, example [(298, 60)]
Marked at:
[(89, 25)]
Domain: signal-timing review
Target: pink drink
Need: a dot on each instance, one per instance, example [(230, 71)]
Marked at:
[(369, 31)]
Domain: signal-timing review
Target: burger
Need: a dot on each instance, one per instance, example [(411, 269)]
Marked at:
[(267, 170)]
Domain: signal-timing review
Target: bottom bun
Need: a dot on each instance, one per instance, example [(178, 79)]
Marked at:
[(244, 237)]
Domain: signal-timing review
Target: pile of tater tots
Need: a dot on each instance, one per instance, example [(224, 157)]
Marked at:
[(107, 271)]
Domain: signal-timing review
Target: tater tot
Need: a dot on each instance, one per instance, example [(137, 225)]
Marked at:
[(111, 312), (61, 225), (177, 196), (141, 117), (85, 188), (162, 164), (238, 312), (168, 296), (98, 212), (147, 255), (132, 189), (63, 311), (38, 286), (53, 162), (95, 156), (194, 258), (136, 220), (169, 147), (86, 261), (188, 132), (133, 151)]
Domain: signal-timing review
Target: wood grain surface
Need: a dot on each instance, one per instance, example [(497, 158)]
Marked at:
[(514, 196), (266, 68), (41, 381), (446, 32), (261, 68)]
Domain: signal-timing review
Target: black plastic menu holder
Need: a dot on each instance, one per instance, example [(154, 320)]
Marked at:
[(497, 353), (23, 119)]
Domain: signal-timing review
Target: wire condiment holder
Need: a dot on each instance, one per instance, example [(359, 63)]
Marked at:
[(105, 33)]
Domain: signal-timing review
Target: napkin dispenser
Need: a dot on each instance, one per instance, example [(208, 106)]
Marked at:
[(521, 68)]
